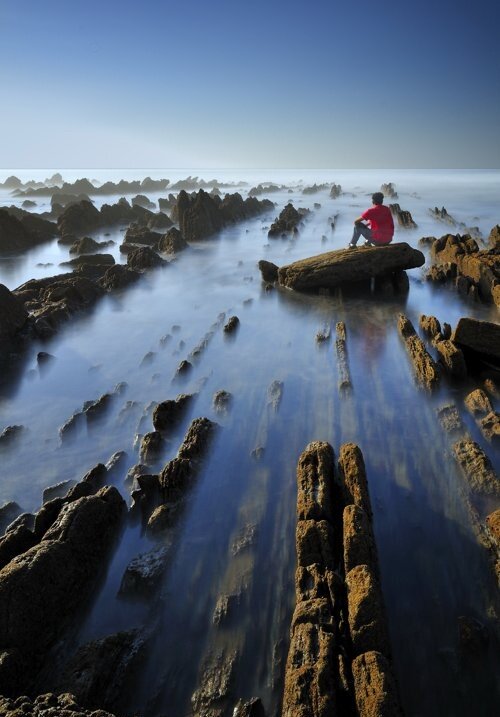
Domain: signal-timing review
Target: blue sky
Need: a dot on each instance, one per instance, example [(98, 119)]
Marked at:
[(260, 84)]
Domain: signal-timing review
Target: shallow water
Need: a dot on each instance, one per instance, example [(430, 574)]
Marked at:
[(432, 568)]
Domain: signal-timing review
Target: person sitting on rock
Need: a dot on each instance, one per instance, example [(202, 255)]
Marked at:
[(380, 228)]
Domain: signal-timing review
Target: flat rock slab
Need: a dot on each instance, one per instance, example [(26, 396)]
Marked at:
[(329, 270)]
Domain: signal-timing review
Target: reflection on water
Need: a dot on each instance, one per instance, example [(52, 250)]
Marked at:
[(433, 570)]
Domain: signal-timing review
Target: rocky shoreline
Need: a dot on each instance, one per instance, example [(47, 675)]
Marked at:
[(53, 561)]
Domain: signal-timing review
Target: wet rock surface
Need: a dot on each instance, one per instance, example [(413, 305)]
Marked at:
[(43, 588), (330, 270), (172, 242), (100, 670), (202, 215), (339, 617), (426, 369), (24, 231), (480, 339), (287, 222), (47, 705)]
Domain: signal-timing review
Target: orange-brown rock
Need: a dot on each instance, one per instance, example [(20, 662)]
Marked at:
[(430, 325), (477, 468), (367, 620), (359, 543), (374, 686), (490, 427), (314, 481), (478, 403), (353, 477), (426, 369), (312, 582), (310, 685), (451, 358), (314, 543), (334, 268)]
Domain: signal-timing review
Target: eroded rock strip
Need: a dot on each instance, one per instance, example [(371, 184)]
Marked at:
[(426, 369), (344, 383), (42, 589), (339, 655)]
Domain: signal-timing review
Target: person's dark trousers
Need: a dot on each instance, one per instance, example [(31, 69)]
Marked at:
[(360, 229)]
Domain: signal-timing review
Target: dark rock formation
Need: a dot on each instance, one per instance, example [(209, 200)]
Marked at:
[(172, 242), (478, 339), (118, 277), (314, 188), (287, 222), (202, 215), (168, 414), (451, 358), (388, 190), (261, 189), (42, 589), (47, 705), (403, 216), (87, 245), (13, 317), (100, 671), (78, 219), (327, 271), (231, 325), (335, 191), (143, 259), (9, 434), (137, 234), (344, 382), (20, 231), (222, 401), (8, 512), (142, 201), (144, 573), (92, 259), (268, 270)]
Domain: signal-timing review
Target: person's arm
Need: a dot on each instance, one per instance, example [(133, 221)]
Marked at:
[(363, 218), (359, 220)]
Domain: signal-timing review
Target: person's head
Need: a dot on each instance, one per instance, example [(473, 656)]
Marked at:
[(378, 198)]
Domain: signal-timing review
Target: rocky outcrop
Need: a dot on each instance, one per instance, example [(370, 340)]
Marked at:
[(51, 301), (478, 340), (90, 259), (167, 415), (344, 380), (315, 188), (42, 590), (374, 686), (137, 234), (172, 242), (335, 191), (494, 237), (101, 671), (78, 219), (143, 259), (20, 231), (426, 369), (476, 272), (47, 705), (477, 468), (388, 190), (142, 201), (87, 245), (261, 189), (231, 325), (268, 270), (404, 217), (339, 615), (201, 215), (118, 277), (143, 574), (287, 222), (13, 317), (345, 266)]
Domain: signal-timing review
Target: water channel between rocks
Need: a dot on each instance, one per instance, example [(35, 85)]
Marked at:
[(432, 568)]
